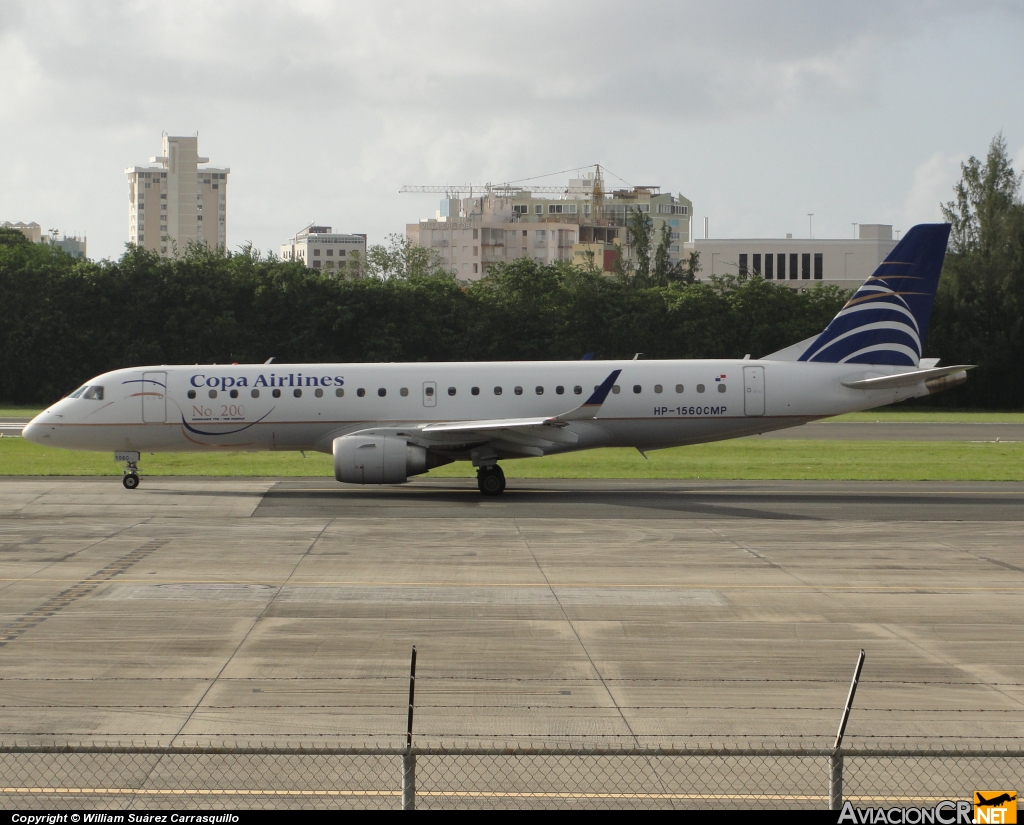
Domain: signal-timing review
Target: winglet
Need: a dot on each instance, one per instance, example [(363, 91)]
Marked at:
[(590, 407)]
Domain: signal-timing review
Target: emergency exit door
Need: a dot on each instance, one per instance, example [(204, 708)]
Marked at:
[(429, 394), (154, 397), (753, 390)]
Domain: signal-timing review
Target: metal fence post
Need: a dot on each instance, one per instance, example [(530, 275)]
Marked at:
[(835, 781), (408, 781), (409, 758), (835, 761)]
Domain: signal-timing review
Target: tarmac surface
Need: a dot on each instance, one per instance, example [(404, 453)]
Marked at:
[(639, 612)]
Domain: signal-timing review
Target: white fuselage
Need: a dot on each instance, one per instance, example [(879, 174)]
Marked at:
[(306, 406)]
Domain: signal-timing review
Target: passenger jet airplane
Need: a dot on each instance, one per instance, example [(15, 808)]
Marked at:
[(386, 422)]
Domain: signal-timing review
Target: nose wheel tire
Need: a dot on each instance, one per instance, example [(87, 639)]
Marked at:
[(490, 480), (130, 481)]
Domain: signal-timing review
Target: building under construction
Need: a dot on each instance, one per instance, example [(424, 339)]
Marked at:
[(480, 225)]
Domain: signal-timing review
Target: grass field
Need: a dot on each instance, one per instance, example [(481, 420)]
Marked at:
[(741, 459)]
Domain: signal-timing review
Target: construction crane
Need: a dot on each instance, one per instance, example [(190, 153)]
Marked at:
[(510, 190)]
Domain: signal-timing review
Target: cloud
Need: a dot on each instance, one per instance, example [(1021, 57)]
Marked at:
[(932, 186), (325, 108)]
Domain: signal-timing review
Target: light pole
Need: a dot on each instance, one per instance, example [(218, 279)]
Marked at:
[(810, 224)]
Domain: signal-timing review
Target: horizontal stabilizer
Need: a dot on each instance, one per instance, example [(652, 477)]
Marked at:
[(904, 379)]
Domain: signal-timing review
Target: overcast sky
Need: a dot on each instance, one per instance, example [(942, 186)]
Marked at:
[(757, 112)]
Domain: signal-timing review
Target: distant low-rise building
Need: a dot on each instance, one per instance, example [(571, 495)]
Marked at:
[(582, 223), (318, 247), (799, 262), (32, 230), (71, 244)]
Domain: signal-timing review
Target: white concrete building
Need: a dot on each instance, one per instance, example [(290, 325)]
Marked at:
[(30, 230), (798, 262), (176, 203), (320, 248), (506, 223)]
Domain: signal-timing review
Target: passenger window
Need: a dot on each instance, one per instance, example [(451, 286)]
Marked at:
[(191, 393), (475, 391), (636, 389), (560, 390), (233, 393), (518, 390), (657, 388), (255, 393), (497, 390), (276, 393), (679, 387), (451, 391), (360, 392), (297, 393), (700, 388), (428, 391), (339, 393), (213, 394), (721, 387), (96, 393), (80, 390), (616, 389), (403, 392), (540, 391), (382, 392), (577, 390), (319, 393)]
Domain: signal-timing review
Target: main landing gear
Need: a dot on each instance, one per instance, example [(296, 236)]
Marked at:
[(130, 480), (490, 480)]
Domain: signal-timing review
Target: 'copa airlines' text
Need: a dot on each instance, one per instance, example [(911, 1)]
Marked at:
[(292, 379)]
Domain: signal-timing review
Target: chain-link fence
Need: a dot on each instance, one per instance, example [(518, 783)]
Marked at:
[(232, 776)]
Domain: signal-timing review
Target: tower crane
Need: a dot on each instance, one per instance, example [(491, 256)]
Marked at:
[(509, 190)]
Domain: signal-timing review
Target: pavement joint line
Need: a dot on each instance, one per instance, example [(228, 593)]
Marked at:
[(248, 632), (575, 632), (993, 686)]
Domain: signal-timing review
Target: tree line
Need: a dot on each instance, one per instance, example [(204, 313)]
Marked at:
[(64, 320)]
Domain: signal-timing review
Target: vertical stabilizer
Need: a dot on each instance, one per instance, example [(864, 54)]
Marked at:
[(886, 320)]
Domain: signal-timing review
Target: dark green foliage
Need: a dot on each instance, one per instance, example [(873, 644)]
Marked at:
[(64, 320), (979, 309)]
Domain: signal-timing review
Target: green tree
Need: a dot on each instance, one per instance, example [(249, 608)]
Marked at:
[(402, 259), (979, 309)]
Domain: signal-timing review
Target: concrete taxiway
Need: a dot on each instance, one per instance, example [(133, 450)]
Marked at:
[(636, 611)]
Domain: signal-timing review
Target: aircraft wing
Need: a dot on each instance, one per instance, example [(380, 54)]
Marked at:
[(525, 436), (588, 409), (904, 379)]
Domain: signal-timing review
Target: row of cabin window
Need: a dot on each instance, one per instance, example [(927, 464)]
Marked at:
[(429, 391)]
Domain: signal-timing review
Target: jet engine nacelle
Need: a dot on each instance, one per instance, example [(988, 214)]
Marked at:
[(380, 459)]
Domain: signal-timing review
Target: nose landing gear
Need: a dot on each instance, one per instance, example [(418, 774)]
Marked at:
[(490, 480), (130, 479)]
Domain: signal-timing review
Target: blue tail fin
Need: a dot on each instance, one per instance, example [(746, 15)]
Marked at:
[(886, 320)]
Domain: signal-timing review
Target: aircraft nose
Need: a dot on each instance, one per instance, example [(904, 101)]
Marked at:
[(35, 431)]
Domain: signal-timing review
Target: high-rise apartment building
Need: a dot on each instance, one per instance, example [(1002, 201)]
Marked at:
[(176, 203)]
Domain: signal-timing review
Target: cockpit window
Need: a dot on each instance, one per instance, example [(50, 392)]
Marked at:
[(77, 392), (93, 393)]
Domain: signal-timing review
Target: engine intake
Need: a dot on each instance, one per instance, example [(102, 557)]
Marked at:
[(369, 459)]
